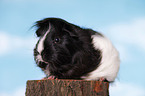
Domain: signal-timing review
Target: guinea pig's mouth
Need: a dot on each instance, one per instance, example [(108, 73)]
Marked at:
[(42, 65), (38, 61)]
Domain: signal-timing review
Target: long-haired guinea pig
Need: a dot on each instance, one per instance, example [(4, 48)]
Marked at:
[(67, 51)]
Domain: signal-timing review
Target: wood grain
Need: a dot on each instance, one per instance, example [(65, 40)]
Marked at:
[(60, 87)]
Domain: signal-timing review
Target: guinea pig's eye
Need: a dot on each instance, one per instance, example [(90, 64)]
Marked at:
[(56, 40)]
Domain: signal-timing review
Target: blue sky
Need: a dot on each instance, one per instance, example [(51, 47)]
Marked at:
[(122, 21)]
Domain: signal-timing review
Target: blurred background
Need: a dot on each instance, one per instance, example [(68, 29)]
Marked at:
[(122, 21)]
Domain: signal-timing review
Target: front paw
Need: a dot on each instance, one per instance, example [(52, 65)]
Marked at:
[(49, 77)]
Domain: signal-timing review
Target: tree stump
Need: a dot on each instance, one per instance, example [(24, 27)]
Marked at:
[(60, 87)]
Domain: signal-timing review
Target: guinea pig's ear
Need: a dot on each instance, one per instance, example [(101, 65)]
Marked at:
[(42, 26), (71, 30)]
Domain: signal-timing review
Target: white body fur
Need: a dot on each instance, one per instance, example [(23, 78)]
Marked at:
[(110, 62)]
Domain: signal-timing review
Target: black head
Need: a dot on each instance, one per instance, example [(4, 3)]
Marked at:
[(58, 42)]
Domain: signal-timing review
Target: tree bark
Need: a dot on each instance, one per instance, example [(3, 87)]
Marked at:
[(60, 87)]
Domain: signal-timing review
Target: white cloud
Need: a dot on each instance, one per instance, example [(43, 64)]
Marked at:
[(126, 89), (11, 44), (16, 92), (4, 40), (129, 32), (126, 35)]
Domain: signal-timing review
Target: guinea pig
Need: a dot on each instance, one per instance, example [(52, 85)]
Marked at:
[(67, 51)]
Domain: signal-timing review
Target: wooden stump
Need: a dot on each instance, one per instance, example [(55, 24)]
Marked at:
[(59, 87)]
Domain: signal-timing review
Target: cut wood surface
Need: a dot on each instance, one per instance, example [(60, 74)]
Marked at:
[(61, 87)]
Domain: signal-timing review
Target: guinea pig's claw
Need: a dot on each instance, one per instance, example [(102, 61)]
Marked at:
[(51, 77)]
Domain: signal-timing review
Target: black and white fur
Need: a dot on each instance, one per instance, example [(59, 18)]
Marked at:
[(66, 51)]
